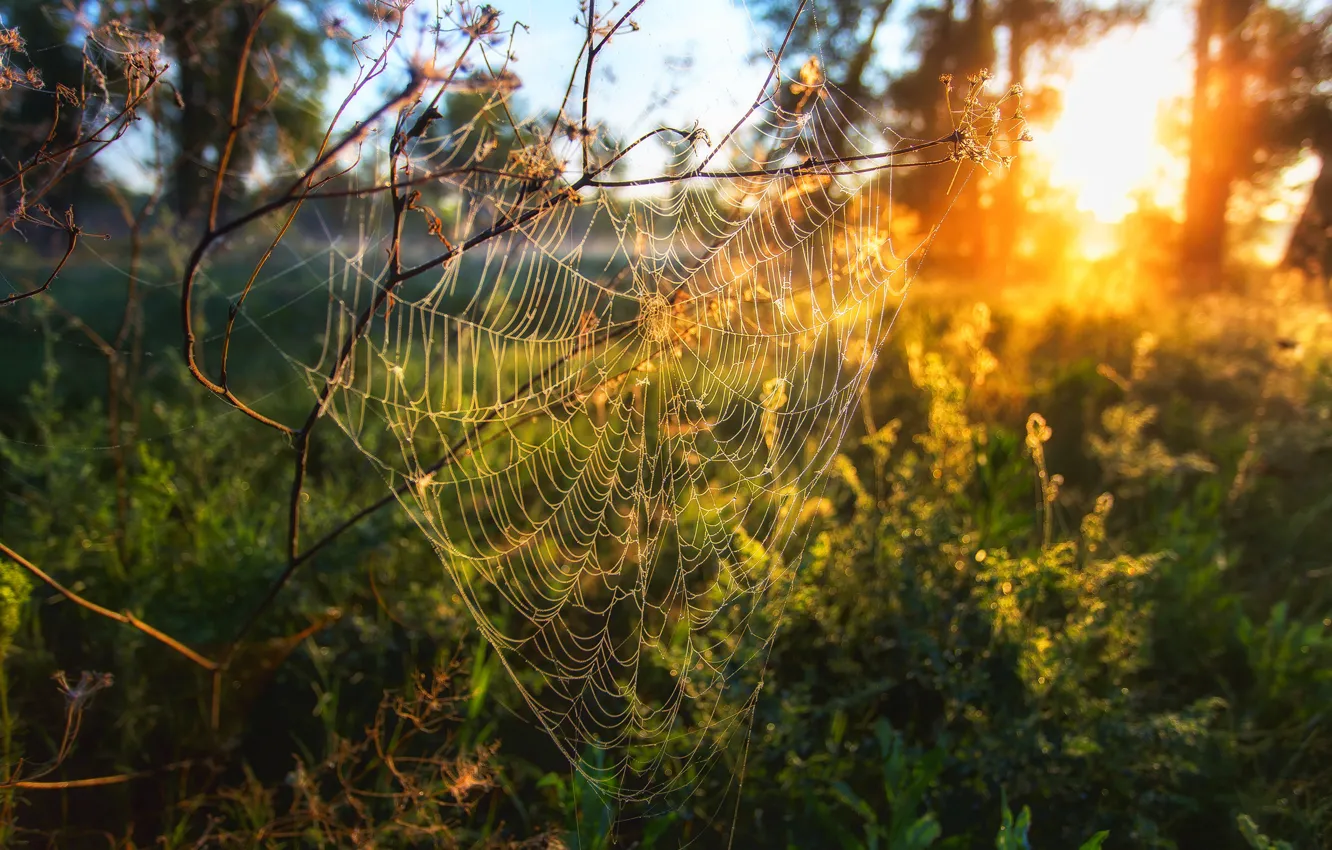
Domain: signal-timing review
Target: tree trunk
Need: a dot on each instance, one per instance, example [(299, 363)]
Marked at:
[(854, 84), (938, 58), (1219, 109), (852, 87), (1009, 204), (976, 54), (1310, 246), (195, 126)]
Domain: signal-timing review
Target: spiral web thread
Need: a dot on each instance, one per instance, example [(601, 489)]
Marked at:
[(614, 420)]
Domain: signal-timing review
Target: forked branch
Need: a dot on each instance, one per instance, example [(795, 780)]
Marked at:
[(959, 145), (73, 231)]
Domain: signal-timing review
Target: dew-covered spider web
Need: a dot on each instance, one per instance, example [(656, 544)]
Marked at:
[(612, 415)]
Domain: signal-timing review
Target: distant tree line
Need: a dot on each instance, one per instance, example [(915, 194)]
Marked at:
[(287, 65), (1260, 97)]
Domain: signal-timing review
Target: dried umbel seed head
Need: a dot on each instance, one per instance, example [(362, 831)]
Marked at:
[(482, 22), (10, 76), (81, 692)]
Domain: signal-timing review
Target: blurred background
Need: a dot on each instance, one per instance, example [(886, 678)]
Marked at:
[(1068, 585)]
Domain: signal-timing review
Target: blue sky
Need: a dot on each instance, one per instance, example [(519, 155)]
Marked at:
[(689, 61), (702, 61)]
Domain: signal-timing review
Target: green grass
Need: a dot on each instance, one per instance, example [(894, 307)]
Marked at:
[(1144, 652)]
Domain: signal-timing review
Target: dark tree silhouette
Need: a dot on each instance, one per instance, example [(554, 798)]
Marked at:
[(1221, 111), (1300, 119), (948, 38), (1260, 100), (287, 61)]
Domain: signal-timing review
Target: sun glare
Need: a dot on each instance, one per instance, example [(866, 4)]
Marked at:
[(1105, 145)]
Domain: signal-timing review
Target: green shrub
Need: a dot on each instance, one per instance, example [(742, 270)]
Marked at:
[(1108, 614)]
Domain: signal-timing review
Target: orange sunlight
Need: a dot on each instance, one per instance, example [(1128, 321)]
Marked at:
[(1105, 145)]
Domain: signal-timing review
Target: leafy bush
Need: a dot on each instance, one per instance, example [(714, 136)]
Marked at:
[(1102, 613), (1103, 668)]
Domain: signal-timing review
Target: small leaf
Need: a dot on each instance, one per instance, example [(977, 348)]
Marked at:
[(921, 834), (1095, 842), (852, 799)]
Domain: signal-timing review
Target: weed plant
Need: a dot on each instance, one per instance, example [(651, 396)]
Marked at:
[(1066, 586)]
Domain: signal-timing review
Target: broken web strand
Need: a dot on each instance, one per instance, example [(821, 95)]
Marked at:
[(616, 457)]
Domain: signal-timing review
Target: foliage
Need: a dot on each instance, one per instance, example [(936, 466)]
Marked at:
[(1107, 612), (1080, 614), (276, 108), (1057, 659), (1102, 613)]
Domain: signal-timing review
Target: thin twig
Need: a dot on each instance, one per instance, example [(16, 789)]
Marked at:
[(74, 233), (762, 95), (127, 618), (816, 166), (43, 156), (236, 124), (584, 131), (395, 259), (96, 781), (291, 196)]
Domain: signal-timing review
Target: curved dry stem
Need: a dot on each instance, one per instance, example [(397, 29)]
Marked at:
[(126, 617), (74, 234), (95, 781)]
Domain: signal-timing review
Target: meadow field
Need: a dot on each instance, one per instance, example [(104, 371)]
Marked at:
[(1067, 583)]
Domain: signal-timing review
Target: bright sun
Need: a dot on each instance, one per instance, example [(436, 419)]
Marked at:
[(1105, 145)]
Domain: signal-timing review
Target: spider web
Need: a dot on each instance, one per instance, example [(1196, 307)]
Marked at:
[(613, 420)]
